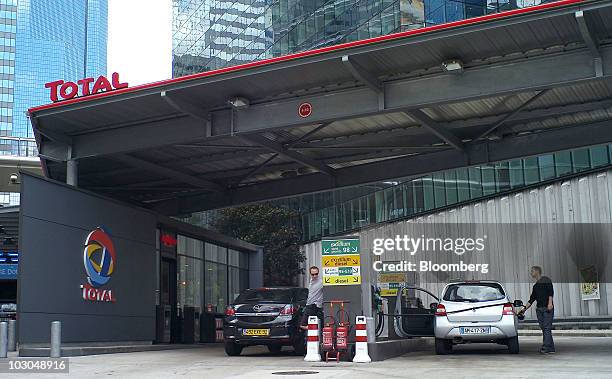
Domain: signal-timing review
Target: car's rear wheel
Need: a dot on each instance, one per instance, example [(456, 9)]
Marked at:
[(513, 345), (232, 349), (274, 349), (443, 346)]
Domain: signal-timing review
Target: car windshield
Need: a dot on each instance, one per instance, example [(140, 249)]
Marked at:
[(265, 295), (474, 292)]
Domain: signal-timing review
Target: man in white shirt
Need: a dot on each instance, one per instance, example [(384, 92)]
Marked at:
[(314, 303)]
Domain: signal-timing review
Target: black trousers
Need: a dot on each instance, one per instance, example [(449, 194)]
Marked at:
[(312, 310)]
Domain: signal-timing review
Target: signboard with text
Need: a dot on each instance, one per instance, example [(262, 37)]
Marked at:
[(389, 282), (341, 262), (8, 271)]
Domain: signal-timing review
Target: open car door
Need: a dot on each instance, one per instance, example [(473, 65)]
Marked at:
[(414, 313)]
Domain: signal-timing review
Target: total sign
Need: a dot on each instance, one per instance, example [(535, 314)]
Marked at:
[(341, 262), (61, 90), (100, 260)]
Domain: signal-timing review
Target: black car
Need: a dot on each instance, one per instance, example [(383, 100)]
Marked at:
[(265, 316)]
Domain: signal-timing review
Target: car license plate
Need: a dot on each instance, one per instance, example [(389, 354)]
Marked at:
[(475, 330), (256, 332)]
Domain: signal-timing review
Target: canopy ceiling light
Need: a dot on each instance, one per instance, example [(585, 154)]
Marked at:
[(454, 66)]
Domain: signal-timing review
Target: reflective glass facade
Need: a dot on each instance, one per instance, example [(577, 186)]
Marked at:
[(429, 193), (42, 41), (8, 32), (210, 34), (60, 39)]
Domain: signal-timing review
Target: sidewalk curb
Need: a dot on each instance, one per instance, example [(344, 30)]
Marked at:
[(568, 333)]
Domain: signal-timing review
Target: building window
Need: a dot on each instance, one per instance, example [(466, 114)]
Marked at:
[(189, 273), (580, 160), (215, 276)]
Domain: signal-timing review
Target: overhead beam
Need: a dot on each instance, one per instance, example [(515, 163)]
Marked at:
[(383, 136), (164, 171), (138, 137), (257, 169), (371, 139), (525, 74), (56, 137), (413, 166), (389, 147), (184, 107), (272, 157), (308, 134), (217, 146), (280, 149), (233, 173), (590, 41), (497, 126), (437, 129), (362, 75), (54, 151)]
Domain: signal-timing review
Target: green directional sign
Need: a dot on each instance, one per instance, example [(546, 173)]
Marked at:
[(341, 261), (348, 270), (341, 246)]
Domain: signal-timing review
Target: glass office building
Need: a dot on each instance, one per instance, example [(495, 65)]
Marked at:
[(210, 34), (42, 41), (60, 39), (8, 33)]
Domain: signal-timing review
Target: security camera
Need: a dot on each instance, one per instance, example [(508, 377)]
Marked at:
[(14, 179)]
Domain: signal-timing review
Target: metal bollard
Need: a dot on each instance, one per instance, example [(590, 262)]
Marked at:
[(3, 339), (12, 335), (56, 339)]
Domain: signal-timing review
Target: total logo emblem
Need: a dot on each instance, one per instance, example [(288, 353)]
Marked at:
[(100, 260)]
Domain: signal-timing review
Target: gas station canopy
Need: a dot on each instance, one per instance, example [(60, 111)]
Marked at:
[(487, 89)]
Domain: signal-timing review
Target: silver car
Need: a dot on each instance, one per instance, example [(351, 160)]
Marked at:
[(475, 311)]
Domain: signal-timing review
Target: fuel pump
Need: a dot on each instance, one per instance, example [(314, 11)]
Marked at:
[(377, 310)]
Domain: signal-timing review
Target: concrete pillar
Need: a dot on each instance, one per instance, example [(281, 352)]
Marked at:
[(56, 339), (12, 335), (72, 172), (3, 339)]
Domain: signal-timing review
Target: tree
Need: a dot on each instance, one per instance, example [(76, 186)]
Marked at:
[(276, 230)]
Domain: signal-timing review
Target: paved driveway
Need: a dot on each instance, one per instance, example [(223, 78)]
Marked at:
[(577, 357)]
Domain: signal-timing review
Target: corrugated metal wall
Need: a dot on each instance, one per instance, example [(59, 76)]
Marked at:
[(580, 200)]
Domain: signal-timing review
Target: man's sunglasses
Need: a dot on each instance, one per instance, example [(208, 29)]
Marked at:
[(317, 274)]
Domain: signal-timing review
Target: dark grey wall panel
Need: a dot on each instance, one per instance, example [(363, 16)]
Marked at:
[(85, 328), (55, 221)]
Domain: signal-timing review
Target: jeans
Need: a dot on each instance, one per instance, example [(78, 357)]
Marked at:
[(545, 319)]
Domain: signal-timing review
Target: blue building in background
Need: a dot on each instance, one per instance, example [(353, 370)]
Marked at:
[(42, 41), (59, 39)]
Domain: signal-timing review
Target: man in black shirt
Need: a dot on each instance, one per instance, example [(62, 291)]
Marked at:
[(542, 294)]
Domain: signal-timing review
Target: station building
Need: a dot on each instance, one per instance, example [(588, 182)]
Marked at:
[(472, 112)]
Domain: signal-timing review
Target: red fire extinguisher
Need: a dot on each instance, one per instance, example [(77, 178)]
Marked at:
[(342, 337), (328, 338)]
